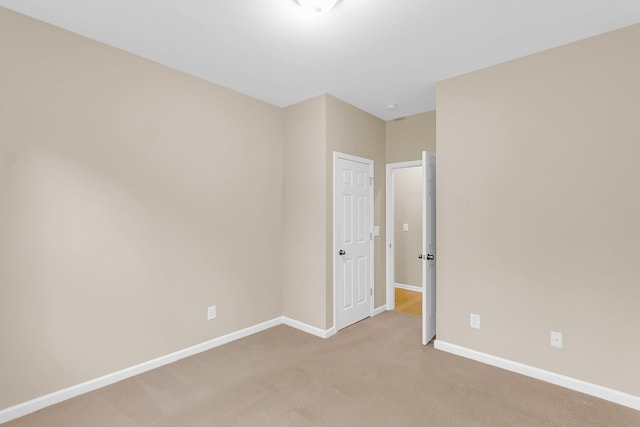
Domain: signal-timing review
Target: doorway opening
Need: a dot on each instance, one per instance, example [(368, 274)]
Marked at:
[(404, 234), (410, 229)]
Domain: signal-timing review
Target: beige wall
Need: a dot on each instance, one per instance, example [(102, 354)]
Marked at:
[(353, 131), (132, 197), (305, 192), (538, 205), (407, 209), (408, 137), (313, 130)]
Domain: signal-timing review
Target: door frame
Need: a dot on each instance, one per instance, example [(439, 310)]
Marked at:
[(336, 155), (390, 232)]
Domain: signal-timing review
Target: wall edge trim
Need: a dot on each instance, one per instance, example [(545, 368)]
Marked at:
[(25, 408), (379, 310), (611, 395), (305, 327), (413, 288)]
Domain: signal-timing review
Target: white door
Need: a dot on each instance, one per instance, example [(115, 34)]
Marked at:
[(353, 245), (428, 247)]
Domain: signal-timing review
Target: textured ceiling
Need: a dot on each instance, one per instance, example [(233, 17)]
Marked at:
[(369, 53)]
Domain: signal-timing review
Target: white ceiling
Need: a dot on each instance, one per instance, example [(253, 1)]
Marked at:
[(369, 53)]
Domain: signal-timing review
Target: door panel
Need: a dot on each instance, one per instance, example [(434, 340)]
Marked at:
[(347, 203), (348, 284), (352, 198), (428, 247)]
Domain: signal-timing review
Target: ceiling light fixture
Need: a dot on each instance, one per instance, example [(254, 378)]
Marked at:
[(318, 6), (392, 106)]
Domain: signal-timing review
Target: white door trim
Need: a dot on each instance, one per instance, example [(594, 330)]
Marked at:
[(336, 155), (391, 167)]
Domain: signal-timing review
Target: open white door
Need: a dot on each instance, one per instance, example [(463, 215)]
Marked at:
[(428, 247)]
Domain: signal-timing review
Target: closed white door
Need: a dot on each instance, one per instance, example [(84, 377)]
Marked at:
[(428, 247), (353, 244)]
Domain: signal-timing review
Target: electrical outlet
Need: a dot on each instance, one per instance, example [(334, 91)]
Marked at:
[(211, 312), (555, 339), (474, 321)]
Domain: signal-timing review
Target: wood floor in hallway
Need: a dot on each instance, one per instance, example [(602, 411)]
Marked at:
[(408, 302)]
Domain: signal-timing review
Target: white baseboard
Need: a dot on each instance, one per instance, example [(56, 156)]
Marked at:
[(379, 310), (605, 393), (38, 403), (408, 287), (305, 327)]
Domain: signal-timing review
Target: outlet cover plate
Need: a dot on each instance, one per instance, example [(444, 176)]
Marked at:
[(474, 321), (211, 312), (555, 339)]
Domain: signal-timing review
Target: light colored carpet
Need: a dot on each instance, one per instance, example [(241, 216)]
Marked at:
[(374, 373)]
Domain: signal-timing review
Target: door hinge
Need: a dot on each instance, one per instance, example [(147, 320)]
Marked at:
[(371, 180), (370, 236), (371, 291)]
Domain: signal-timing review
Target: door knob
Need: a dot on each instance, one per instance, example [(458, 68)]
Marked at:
[(342, 252), (420, 256), (430, 257)]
